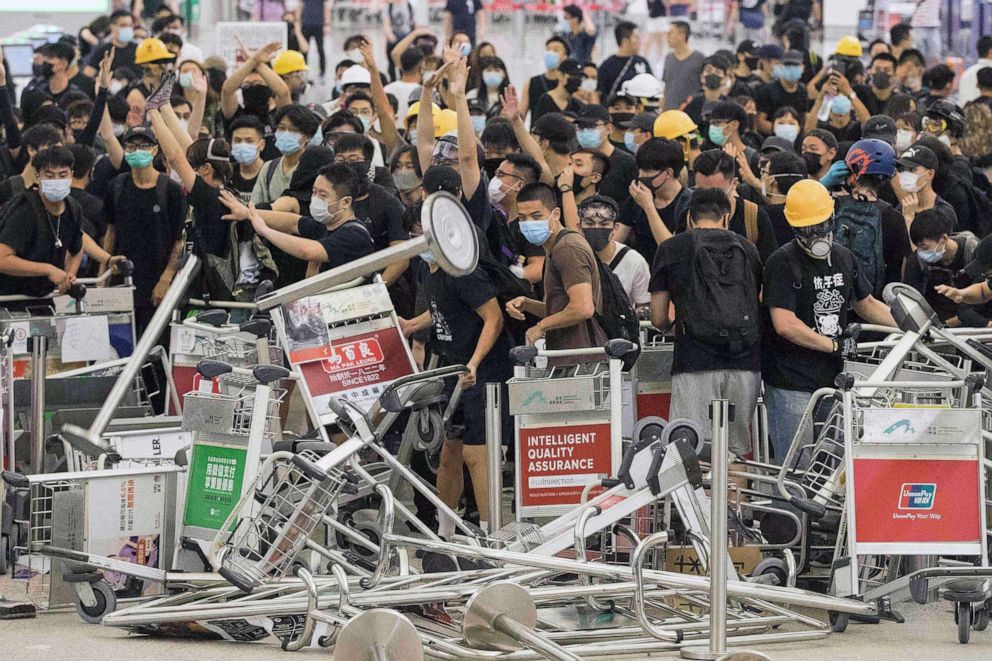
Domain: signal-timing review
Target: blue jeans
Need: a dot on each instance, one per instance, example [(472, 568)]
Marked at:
[(785, 410)]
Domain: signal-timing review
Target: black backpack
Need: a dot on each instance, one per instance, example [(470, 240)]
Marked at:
[(619, 318), (724, 312), (858, 227), (508, 286)]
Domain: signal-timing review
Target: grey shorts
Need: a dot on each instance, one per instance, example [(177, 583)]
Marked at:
[(692, 393)]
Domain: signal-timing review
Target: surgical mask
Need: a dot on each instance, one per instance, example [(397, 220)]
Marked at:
[(287, 142), (355, 55), (946, 139), (588, 138), (909, 181), (125, 35), (930, 256), (405, 180), (904, 139), (588, 84), (115, 87), (496, 193), (536, 232), (120, 129), (366, 123), (717, 135), (56, 190), (244, 153), (141, 158), (551, 59), (493, 78), (787, 131), (185, 124), (597, 237), (466, 49), (319, 210), (186, 79), (841, 106), (881, 80), (478, 123), (812, 161), (628, 142), (817, 247), (790, 73), (338, 86), (427, 256), (713, 81)]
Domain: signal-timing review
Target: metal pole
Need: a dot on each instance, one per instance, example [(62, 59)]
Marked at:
[(88, 440), (494, 454), (39, 356)]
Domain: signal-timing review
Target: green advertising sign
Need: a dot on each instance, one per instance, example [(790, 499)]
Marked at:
[(214, 487)]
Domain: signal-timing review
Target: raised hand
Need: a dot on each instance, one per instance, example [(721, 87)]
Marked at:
[(234, 204), (199, 84), (511, 105), (105, 76), (458, 79)]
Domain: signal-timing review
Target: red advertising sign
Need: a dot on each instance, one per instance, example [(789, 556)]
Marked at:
[(358, 368), (557, 462), (916, 500)]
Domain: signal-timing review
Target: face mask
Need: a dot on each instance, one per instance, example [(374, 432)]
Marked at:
[(47, 70), (588, 84), (598, 237), (572, 85), (817, 247), (536, 232), (551, 60), (904, 138), (717, 136), (138, 159), (588, 138), (55, 190), (812, 160), (946, 139), (412, 136), (115, 87), (493, 78), (427, 256), (185, 124), (787, 131), (909, 181), (256, 98), (478, 123), (244, 153), (751, 63), (713, 81), (405, 180), (355, 55), (491, 165), (496, 193), (361, 168), (120, 129), (881, 80), (186, 79), (318, 210), (125, 35), (466, 49), (618, 117), (841, 106), (930, 256), (337, 86), (792, 73), (366, 123), (629, 144), (287, 142)]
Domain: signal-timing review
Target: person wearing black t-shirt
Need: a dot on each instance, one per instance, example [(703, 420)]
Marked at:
[(121, 44), (784, 91), (782, 171), (810, 285), (466, 329), (881, 85), (330, 236), (41, 240), (556, 50), (624, 64), (465, 16), (561, 98), (940, 259)]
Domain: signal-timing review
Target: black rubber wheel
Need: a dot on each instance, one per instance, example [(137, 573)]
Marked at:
[(369, 530), (964, 622), (838, 621), (775, 567), (981, 622), (106, 602)]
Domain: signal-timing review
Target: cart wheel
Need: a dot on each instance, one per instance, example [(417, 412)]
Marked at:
[(838, 621), (964, 622), (106, 602), (918, 588), (981, 622), (370, 530), (774, 566)]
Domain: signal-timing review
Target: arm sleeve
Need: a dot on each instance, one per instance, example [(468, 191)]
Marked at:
[(778, 283), (394, 218), (309, 228), (10, 127), (89, 133), (659, 271), (19, 229)]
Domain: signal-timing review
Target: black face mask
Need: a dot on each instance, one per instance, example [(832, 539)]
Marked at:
[(618, 117), (881, 80), (647, 181), (36, 70), (491, 165), (597, 237), (256, 98), (361, 168), (77, 134), (812, 160), (573, 84), (713, 81), (47, 70), (751, 63)]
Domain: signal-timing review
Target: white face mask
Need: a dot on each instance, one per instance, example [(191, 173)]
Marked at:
[(946, 139), (355, 55), (115, 86), (496, 193), (318, 210), (904, 138), (909, 181)]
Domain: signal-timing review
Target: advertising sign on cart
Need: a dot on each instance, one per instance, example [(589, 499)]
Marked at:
[(557, 461)]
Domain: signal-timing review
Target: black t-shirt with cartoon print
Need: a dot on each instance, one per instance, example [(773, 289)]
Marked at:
[(826, 291), (456, 326)]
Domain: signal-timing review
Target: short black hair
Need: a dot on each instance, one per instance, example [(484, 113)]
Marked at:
[(884, 57), (660, 154), (57, 50), (714, 161), (246, 121), (81, 108), (682, 27), (120, 13), (342, 117), (499, 134), (727, 111), (40, 136), (787, 110), (788, 168), (914, 56), (355, 142), (876, 41), (938, 76), (899, 33), (600, 163), (623, 30), (708, 204), (410, 59), (342, 178), (984, 45), (558, 131), (718, 61), (528, 169), (572, 10), (161, 23), (359, 96), (354, 41), (538, 191), (177, 100), (53, 157), (84, 157), (200, 151), (118, 108), (560, 40), (300, 116), (984, 78), (930, 224), (171, 38)]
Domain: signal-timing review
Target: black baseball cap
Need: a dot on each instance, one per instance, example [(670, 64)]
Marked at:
[(143, 132), (748, 46), (620, 96), (880, 127), (981, 260), (828, 138), (770, 52), (774, 143), (792, 57), (570, 67), (918, 155), (642, 120), (591, 113)]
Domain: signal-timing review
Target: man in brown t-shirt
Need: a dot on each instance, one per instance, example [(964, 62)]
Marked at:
[(571, 277)]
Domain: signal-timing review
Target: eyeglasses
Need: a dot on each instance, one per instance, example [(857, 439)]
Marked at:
[(132, 147), (349, 159), (500, 174)]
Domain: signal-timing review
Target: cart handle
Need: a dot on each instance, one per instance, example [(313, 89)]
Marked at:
[(77, 292), (264, 374), (615, 348), (124, 268), (389, 400)]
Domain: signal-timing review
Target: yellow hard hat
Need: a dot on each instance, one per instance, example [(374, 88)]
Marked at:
[(289, 61), (445, 121), (152, 50), (808, 203), (673, 124), (414, 108), (849, 47)]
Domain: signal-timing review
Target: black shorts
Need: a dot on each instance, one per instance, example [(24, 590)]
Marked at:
[(471, 409)]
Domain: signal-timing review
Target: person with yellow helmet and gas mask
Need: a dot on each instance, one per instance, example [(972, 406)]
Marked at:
[(291, 66), (810, 284), (155, 61), (678, 126)]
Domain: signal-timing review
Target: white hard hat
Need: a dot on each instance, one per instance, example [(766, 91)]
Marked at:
[(356, 75), (643, 85)]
